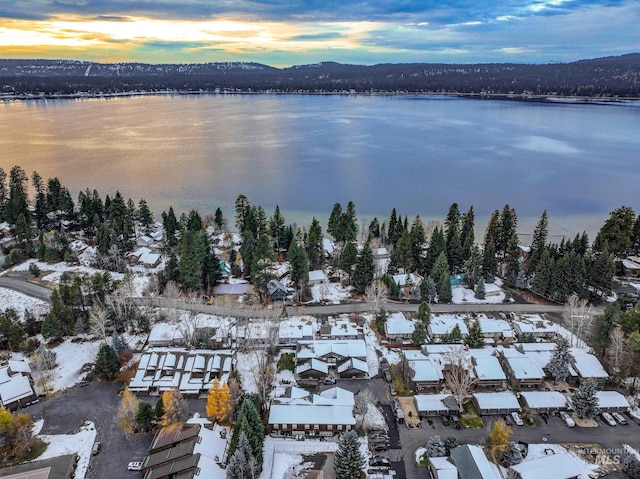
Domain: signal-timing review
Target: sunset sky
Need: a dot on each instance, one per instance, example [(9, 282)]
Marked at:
[(291, 32)]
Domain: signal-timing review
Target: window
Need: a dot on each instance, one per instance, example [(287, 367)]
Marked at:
[(339, 427), (306, 426), (329, 427), (275, 426), (293, 426), (316, 427), (284, 426)]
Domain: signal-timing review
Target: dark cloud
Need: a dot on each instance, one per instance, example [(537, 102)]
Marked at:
[(318, 36)]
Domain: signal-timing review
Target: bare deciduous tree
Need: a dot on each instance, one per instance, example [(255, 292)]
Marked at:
[(617, 347), (457, 377), (376, 293), (99, 322), (578, 312)]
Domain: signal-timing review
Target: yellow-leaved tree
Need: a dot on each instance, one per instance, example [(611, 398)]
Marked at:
[(175, 409), (498, 441), (128, 410), (219, 405)]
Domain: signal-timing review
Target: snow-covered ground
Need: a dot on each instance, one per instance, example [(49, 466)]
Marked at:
[(79, 443), (53, 271), (461, 295), (21, 303), (282, 455), (329, 293)]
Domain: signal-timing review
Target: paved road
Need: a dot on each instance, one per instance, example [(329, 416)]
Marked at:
[(26, 287)]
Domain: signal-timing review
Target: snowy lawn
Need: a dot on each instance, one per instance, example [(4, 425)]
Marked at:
[(332, 293), (464, 295), (79, 443)]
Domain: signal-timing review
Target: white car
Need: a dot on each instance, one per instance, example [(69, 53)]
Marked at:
[(568, 420), (135, 466), (608, 418), (517, 419), (619, 417)]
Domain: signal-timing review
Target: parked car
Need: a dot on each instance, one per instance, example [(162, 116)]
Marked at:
[(568, 420), (608, 418), (329, 380), (135, 466), (517, 419), (96, 448), (619, 417), (379, 461), (508, 421), (392, 389)]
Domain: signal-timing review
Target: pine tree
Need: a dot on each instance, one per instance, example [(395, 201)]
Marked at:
[(451, 442), (419, 335), (277, 230), (560, 360), (348, 461), (218, 402), (631, 467), (428, 290), (418, 240), (145, 416), (489, 262), (364, 269), (159, 409), (299, 262), (107, 365), (585, 402), (424, 313), (492, 231), (512, 456), (333, 225), (437, 245), (616, 235), (543, 278), (249, 423), (467, 234), (539, 241), (435, 447), (393, 235), (444, 288), (473, 266), (348, 258), (480, 289), (238, 466), (508, 229), (455, 335), (314, 244), (402, 254), (474, 339), (605, 324), (441, 266)]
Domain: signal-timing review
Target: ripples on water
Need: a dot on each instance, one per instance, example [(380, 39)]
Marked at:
[(305, 153)]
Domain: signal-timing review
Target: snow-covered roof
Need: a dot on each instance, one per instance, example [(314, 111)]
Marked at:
[(442, 324), (311, 414), (495, 326), (629, 264), (14, 388), (487, 368), (554, 466), (317, 275), (397, 324), (312, 364), (165, 333), (587, 365), (497, 400), (19, 366), (336, 396), (443, 468), (544, 399), (431, 402), (297, 328), (354, 363), (404, 279), (612, 399), (327, 245), (524, 368), (425, 370), (348, 348)]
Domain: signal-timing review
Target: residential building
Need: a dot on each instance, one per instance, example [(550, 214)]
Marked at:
[(398, 328), (502, 402), (553, 466)]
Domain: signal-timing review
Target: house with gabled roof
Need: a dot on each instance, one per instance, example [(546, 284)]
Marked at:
[(324, 414), (398, 328), (353, 368), (15, 385), (421, 373), (487, 370), (472, 463), (312, 369), (522, 371), (553, 466), (441, 326)]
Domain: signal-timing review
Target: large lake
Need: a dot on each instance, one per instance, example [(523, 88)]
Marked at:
[(304, 153)]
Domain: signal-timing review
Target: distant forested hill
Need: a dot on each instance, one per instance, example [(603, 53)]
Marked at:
[(610, 76)]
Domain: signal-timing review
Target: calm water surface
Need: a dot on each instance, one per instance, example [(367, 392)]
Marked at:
[(305, 153)]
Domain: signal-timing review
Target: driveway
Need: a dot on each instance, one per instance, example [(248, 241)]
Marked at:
[(96, 402)]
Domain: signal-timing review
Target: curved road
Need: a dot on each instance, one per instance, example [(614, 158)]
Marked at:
[(26, 287)]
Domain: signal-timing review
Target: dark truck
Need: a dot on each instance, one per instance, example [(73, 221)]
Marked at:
[(386, 370)]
